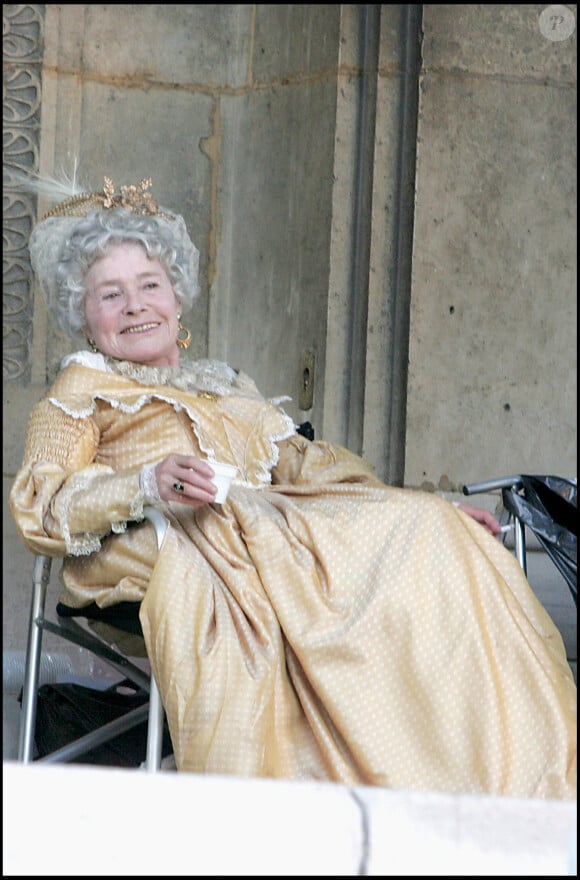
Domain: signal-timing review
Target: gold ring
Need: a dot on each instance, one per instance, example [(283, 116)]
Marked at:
[(179, 487)]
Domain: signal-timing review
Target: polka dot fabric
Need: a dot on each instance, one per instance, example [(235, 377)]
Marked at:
[(362, 635), (319, 624)]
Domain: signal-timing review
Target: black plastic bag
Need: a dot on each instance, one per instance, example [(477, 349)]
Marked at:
[(548, 505), (66, 711)]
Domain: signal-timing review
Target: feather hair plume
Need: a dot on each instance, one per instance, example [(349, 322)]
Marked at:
[(70, 199), (52, 189), (68, 196)]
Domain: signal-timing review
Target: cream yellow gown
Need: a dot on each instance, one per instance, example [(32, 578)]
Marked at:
[(319, 624)]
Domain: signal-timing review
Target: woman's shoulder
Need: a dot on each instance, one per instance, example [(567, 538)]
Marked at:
[(93, 360), (78, 381)]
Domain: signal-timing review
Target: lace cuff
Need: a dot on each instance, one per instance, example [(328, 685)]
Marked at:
[(148, 484)]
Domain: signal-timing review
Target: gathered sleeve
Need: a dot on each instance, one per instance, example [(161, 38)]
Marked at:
[(316, 462), (63, 501)]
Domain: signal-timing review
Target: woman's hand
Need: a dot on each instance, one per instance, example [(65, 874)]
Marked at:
[(487, 519), (186, 479)]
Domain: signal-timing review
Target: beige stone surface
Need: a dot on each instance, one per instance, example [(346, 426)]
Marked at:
[(493, 305)]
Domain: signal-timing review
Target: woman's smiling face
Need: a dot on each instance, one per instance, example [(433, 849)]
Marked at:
[(131, 310)]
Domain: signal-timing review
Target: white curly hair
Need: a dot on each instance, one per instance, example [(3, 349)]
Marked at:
[(63, 249)]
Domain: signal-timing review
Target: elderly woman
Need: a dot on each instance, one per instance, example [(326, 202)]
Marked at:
[(318, 624)]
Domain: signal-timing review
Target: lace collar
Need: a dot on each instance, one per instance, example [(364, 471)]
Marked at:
[(207, 375)]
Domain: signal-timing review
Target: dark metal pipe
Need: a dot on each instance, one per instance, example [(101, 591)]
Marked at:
[(369, 44), (405, 209)]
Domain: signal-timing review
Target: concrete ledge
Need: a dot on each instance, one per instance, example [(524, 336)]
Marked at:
[(413, 834), (68, 820)]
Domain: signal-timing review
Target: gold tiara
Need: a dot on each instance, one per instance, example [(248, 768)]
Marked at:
[(50, 234), (134, 198)]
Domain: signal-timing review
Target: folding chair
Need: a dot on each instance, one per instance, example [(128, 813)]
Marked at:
[(121, 617), (68, 628), (548, 506)]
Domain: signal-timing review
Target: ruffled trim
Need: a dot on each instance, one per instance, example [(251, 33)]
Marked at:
[(242, 385), (83, 412), (131, 408), (206, 374), (148, 484), (264, 473), (135, 512), (90, 542), (211, 376), (93, 360)]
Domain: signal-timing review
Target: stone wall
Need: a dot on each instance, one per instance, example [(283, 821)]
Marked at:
[(439, 310)]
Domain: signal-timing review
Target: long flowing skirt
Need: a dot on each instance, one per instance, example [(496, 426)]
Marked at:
[(358, 634)]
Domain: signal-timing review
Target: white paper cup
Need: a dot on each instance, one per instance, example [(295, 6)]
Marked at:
[(224, 474)]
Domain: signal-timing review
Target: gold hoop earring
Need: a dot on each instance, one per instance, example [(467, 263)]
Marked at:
[(92, 345), (183, 336)]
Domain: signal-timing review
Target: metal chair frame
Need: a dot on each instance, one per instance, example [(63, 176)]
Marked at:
[(511, 484), (72, 631)]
